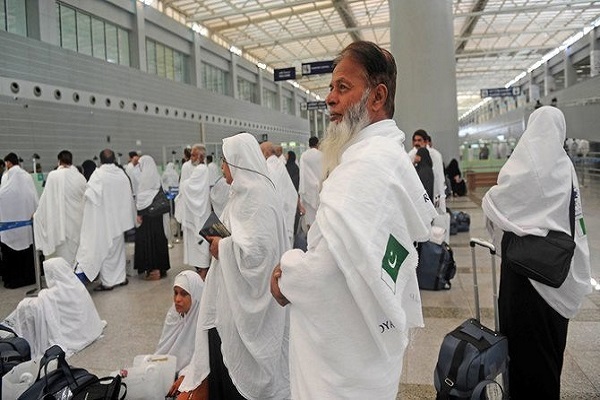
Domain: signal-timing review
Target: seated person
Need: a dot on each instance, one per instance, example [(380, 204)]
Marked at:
[(179, 332), (63, 314)]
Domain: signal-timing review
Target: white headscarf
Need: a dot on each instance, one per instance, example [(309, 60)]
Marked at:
[(149, 182), (179, 332), (237, 299), (533, 196), (62, 314), (18, 202)]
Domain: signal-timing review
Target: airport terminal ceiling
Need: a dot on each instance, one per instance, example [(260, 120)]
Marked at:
[(494, 40)]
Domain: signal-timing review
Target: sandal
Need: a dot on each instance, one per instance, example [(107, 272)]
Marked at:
[(153, 275)]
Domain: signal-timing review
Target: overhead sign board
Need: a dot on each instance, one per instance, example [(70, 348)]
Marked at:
[(314, 105), (283, 74), (500, 92), (317, 67)]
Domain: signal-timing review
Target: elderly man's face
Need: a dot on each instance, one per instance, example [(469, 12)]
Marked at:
[(346, 88), (195, 156)]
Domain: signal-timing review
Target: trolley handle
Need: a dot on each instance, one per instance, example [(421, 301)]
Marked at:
[(479, 242)]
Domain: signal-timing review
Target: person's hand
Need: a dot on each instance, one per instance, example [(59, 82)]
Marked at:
[(301, 209), (175, 387), (275, 291), (139, 219), (214, 245)]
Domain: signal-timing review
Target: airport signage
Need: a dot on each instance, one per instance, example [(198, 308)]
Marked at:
[(317, 67), (500, 92), (314, 105), (284, 74)]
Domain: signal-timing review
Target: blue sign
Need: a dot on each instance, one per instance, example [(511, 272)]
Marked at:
[(500, 92), (318, 67), (284, 74)]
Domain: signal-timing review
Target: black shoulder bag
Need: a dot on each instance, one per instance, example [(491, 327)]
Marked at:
[(543, 259)]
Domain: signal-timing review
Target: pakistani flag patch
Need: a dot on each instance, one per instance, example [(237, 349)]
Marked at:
[(395, 254)]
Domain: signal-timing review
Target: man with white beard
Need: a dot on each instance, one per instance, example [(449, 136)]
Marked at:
[(283, 185), (57, 220), (188, 167), (353, 296)]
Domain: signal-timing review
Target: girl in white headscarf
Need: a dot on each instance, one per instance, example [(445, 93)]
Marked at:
[(532, 197), (151, 246)]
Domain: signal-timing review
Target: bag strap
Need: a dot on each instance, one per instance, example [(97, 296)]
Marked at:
[(478, 390), (56, 353), (450, 379), (572, 210)]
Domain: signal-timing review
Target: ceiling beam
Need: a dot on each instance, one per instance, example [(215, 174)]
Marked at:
[(248, 45), (503, 51), (250, 10), (469, 26), (571, 4), (343, 9)]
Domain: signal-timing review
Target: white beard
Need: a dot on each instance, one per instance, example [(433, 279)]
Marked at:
[(341, 134)]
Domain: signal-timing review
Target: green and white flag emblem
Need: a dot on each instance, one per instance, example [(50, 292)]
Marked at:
[(395, 254)]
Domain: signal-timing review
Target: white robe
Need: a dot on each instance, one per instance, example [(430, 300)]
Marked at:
[(354, 293), (214, 173), (286, 191), (219, 194), (133, 171), (63, 314), (186, 170), (439, 181), (170, 177), (311, 174), (109, 211), (179, 331), (57, 220), (192, 209), (237, 299), (18, 202), (533, 195)]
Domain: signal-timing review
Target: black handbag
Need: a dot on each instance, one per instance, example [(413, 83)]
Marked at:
[(543, 259), (160, 205)]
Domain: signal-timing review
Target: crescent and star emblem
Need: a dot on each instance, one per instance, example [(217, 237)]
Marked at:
[(390, 263)]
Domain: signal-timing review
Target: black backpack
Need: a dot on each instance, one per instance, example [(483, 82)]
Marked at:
[(66, 382), (13, 350)]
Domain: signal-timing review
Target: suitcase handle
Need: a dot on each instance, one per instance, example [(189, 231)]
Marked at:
[(479, 242)]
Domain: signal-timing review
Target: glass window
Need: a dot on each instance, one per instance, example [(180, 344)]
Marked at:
[(160, 60), (112, 49), (215, 79), (2, 16), (98, 44), (287, 106), (178, 66), (151, 56), (68, 36), (123, 37), (246, 90), (169, 63), (16, 17), (84, 34)]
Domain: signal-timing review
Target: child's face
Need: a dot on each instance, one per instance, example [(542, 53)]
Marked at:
[(182, 300)]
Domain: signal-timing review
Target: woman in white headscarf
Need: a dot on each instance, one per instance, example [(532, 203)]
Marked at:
[(63, 314), (151, 246), (247, 330), (532, 197), (179, 330)]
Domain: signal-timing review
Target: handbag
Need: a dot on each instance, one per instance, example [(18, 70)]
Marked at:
[(160, 205), (544, 259)]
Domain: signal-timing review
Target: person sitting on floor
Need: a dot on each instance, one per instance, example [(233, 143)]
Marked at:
[(63, 314)]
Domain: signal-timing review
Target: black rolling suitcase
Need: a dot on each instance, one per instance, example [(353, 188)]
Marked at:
[(436, 266), (473, 359)]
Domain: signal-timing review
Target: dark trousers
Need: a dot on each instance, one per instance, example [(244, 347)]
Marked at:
[(537, 336), (220, 386)]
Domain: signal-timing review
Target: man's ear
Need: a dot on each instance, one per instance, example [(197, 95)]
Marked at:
[(380, 94)]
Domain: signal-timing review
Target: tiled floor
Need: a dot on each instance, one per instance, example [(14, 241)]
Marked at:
[(135, 315)]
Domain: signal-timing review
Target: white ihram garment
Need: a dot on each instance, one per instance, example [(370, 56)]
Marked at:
[(354, 293), (63, 314), (286, 192), (18, 202), (57, 220), (532, 197), (311, 174)]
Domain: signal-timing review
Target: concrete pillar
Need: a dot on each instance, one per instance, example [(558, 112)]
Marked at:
[(42, 21), (233, 74), (548, 80), (594, 53), (422, 42), (196, 62), (138, 38), (534, 90), (278, 97), (295, 106), (259, 85), (570, 72)]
